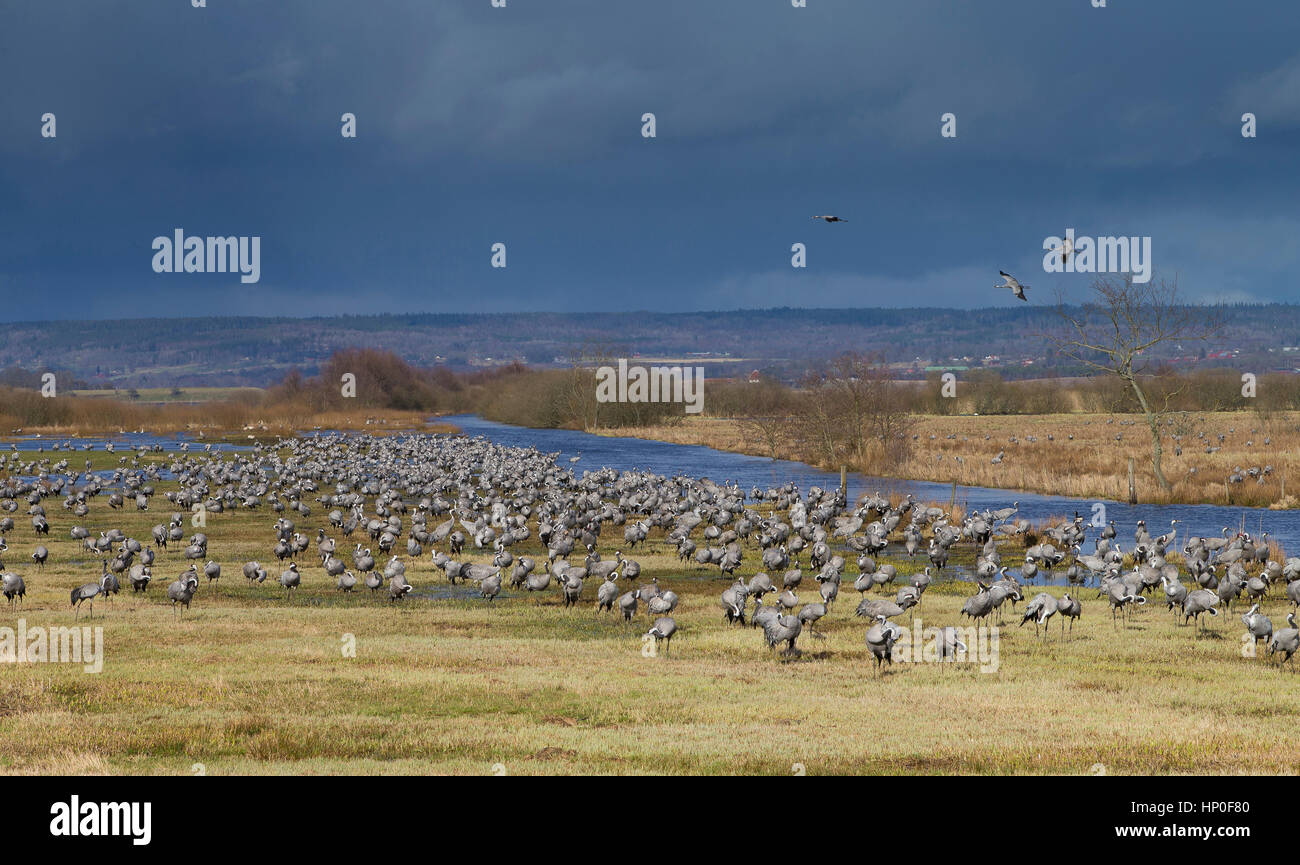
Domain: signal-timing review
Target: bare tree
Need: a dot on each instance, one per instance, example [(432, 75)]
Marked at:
[(817, 421), (578, 394), (852, 405), (1118, 332), (579, 397), (774, 431), (768, 410)]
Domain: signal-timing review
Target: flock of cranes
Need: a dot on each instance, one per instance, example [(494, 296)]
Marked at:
[(401, 506)]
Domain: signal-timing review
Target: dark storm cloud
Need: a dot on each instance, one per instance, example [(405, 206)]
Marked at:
[(521, 125)]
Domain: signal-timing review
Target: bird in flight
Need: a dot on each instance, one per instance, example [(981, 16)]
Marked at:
[(1065, 250), (1012, 283), (830, 218)]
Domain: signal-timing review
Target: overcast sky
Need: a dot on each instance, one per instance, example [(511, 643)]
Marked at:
[(522, 125)]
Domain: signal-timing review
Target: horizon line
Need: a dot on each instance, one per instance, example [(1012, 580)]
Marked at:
[(588, 313)]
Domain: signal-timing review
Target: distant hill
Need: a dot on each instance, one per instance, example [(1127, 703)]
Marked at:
[(230, 351)]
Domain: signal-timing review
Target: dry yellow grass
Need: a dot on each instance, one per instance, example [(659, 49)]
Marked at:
[(1094, 464)]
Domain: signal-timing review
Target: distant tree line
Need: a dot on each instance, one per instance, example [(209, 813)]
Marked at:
[(848, 406), (379, 379), (847, 409)]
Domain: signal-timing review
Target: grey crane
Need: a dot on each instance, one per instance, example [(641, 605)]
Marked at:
[(1064, 250), (1258, 625), (884, 575), (212, 571), (1009, 281), (291, 580), (631, 568), (571, 588), (1005, 589), (1041, 609), (523, 566), (108, 583), (947, 642), (1175, 592), (85, 593), (938, 554), (539, 582), (760, 584), (879, 607), (1198, 602), (627, 603), (398, 587), (762, 614), (141, 575), (1229, 588), (921, 582), (1069, 608), (601, 570), (14, 589), (663, 629), (334, 566), (775, 558), (782, 629), (978, 605), (1286, 641), (1120, 597), (478, 573), (733, 603), (607, 594), (1256, 587), (662, 604), (866, 579), (490, 586), (828, 589), (809, 615), (181, 591), (881, 637)]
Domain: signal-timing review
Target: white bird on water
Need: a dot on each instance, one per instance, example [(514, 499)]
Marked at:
[(1012, 283)]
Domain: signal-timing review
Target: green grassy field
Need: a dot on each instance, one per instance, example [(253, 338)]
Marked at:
[(447, 683)]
